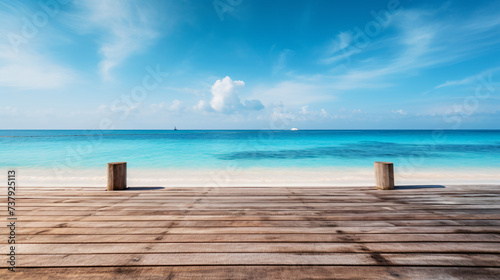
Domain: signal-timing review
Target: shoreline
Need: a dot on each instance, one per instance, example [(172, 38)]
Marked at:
[(254, 177)]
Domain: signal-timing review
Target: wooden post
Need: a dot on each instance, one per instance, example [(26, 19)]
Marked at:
[(117, 176), (384, 175)]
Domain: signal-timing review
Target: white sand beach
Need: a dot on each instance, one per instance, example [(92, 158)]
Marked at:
[(333, 176)]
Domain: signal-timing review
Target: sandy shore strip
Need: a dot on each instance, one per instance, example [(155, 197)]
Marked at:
[(274, 177)]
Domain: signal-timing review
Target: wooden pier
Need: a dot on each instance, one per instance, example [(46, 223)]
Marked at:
[(413, 232)]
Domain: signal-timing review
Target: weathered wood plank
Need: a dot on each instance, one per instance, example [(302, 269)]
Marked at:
[(271, 238), (242, 216), (261, 223), (414, 259), (253, 272), (402, 233), (148, 248), (251, 230), (252, 215)]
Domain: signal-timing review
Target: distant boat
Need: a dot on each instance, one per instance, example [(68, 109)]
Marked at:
[(175, 128), (294, 129)]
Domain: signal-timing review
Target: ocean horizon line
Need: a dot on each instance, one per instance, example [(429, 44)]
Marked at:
[(256, 129)]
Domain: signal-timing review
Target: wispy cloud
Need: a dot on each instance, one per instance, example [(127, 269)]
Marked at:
[(338, 49), (420, 39), (280, 63), (416, 40), (126, 27), (400, 112), (468, 80)]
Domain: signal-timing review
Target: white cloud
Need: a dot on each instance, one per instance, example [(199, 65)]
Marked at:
[(203, 106), (280, 63), (225, 98), (338, 49), (286, 116), (306, 114), (419, 39), (281, 117), (303, 110), (455, 83), (345, 39), (400, 111), (126, 27), (470, 79), (346, 54), (176, 105)]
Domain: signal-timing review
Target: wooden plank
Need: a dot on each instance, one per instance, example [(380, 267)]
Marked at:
[(274, 207), (255, 272), (414, 259), (256, 195), (397, 234), (264, 192), (330, 193), (148, 248), (250, 196), (249, 215), (261, 203), (270, 238), (242, 216), (200, 210), (250, 230), (194, 223)]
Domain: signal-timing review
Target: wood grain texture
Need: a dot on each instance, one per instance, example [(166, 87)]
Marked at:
[(253, 272), (117, 176), (413, 232), (384, 175)]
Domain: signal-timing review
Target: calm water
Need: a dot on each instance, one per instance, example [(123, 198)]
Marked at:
[(215, 149)]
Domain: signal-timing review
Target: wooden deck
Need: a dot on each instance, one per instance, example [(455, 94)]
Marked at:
[(427, 232)]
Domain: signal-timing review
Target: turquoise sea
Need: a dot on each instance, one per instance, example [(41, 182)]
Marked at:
[(192, 149)]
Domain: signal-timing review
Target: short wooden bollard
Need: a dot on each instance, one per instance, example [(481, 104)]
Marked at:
[(117, 176), (384, 175)]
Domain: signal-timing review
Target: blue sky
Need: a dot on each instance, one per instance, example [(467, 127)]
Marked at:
[(249, 64)]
